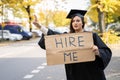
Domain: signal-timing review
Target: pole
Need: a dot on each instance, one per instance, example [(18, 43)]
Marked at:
[(2, 23)]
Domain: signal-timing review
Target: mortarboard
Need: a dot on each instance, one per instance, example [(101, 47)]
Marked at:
[(76, 12)]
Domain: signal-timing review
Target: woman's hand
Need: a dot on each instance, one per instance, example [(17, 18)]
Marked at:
[(95, 50), (36, 22)]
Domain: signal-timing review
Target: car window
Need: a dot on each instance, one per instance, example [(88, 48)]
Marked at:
[(20, 30)]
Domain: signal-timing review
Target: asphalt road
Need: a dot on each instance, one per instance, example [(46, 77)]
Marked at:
[(113, 69), (25, 60)]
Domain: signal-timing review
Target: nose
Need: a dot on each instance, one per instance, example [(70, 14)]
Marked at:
[(76, 22)]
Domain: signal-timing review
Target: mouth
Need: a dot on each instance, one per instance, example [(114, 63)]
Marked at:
[(75, 26)]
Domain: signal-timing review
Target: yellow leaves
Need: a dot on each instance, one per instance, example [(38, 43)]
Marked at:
[(93, 6), (93, 2), (107, 6), (45, 17), (12, 1), (29, 2), (110, 5), (23, 23), (12, 5), (60, 18), (110, 37), (1, 3), (93, 14), (42, 16), (116, 8), (24, 3), (3, 24), (110, 10)]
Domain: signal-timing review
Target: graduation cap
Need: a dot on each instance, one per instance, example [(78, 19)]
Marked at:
[(74, 12)]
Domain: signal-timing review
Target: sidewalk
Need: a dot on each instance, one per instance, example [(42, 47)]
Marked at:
[(5, 43), (115, 48), (113, 69)]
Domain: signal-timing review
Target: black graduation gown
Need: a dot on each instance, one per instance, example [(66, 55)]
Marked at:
[(87, 70)]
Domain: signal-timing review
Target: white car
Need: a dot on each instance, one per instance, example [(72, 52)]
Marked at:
[(36, 33), (8, 36)]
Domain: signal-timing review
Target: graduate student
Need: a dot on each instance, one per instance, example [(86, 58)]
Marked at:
[(93, 70)]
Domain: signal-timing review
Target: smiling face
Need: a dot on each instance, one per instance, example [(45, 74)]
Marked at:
[(77, 24)]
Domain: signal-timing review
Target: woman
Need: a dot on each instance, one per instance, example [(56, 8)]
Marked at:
[(93, 70)]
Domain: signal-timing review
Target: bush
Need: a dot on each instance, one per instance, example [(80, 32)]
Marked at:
[(110, 37)]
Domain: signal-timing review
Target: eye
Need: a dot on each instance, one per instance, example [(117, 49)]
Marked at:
[(77, 20), (73, 21)]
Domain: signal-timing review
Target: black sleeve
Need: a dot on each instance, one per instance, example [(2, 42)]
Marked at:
[(105, 52), (41, 42)]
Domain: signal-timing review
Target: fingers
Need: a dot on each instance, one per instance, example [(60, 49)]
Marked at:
[(35, 18), (95, 50), (35, 21)]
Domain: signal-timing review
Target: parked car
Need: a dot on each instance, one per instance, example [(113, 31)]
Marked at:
[(17, 29), (36, 33), (5, 34), (115, 27), (117, 31)]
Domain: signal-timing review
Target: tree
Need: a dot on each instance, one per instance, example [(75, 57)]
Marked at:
[(60, 18), (26, 4), (48, 13), (22, 7), (103, 8)]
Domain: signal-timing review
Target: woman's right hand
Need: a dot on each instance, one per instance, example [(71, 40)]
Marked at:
[(36, 22)]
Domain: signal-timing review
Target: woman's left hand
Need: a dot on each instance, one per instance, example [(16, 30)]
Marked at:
[(95, 50), (36, 22)]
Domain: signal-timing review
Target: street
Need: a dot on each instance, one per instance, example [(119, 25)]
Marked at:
[(25, 60), (113, 69)]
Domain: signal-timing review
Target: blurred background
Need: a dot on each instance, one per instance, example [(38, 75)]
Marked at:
[(102, 17), (20, 56)]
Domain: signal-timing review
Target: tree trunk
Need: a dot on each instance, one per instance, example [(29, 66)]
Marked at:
[(28, 11), (30, 26), (2, 22), (101, 20)]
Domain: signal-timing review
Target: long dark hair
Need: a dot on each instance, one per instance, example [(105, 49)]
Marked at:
[(71, 28)]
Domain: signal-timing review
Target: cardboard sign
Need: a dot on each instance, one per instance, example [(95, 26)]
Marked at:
[(69, 48)]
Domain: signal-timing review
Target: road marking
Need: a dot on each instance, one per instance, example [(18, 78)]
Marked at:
[(113, 74), (40, 67), (35, 71), (49, 77), (28, 76), (44, 64)]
